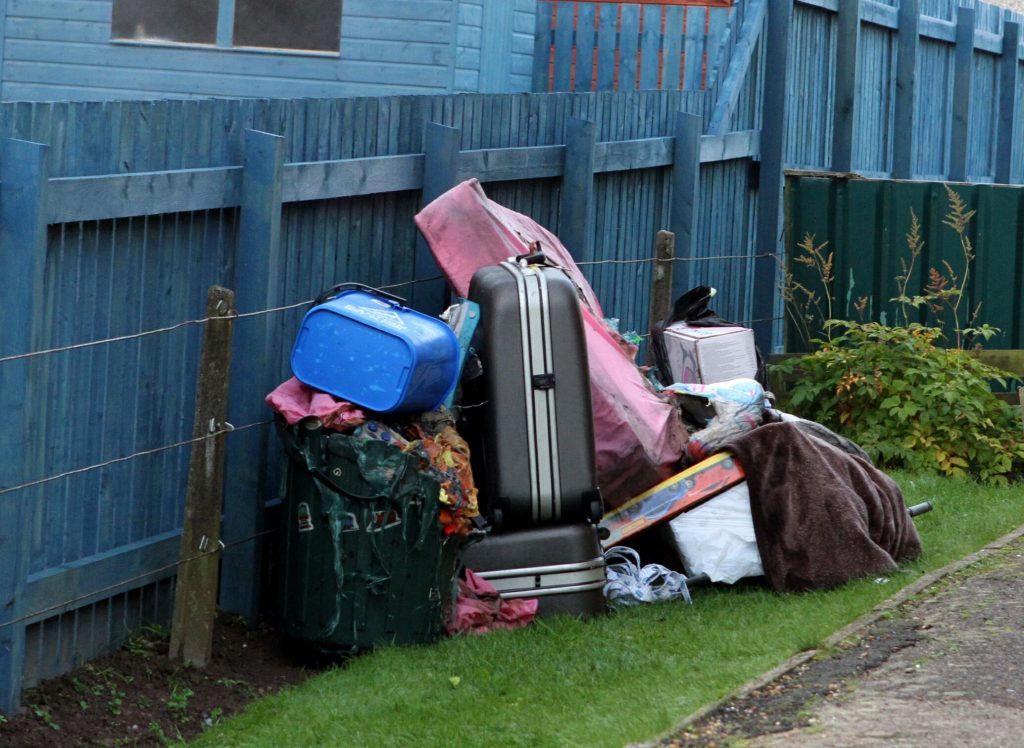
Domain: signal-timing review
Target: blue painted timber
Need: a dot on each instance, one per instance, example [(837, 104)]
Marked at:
[(586, 38), (1008, 106), (963, 79), (442, 146), (685, 190), (907, 63), (739, 67), (24, 169), (769, 222), (637, 46), (64, 50), (577, 194), (259, 271), (847, 65)]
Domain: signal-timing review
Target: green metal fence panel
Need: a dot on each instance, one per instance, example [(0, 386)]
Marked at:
[(866, 227)]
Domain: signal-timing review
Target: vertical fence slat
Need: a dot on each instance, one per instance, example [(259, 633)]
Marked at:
[(24, 169), (1008, 109), (685, 188), (650, 47), (770, 187), (586, 36), (907, 62), (258, 273), (564, 24), (963, 68), (542, 47), (629, 47), (606, 48), (693, 50), (672, 49), (442, 151), (847, 47), (577, 195)]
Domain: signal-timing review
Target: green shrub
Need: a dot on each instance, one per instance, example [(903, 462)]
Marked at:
[(907, 401)]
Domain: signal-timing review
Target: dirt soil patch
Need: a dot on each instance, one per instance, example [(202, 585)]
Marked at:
[(138, 697)]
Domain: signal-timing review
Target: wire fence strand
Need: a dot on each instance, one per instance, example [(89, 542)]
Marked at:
[(144, 453), (646, 260), (192, 322)]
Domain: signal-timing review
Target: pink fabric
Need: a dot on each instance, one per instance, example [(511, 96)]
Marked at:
[(479, 608), (639, 435), (467, 231), (295, 401)]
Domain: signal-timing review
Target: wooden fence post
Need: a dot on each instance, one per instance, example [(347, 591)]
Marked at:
[(685, 188), (1008, 76), (24, 170), (907, 61), (195, 595), (441, 147), (661, 277), (963, 68), (769, 237), (258, 268), (847, 46), (576, 199)]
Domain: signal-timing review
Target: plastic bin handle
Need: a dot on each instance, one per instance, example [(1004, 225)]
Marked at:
[(335, 290)]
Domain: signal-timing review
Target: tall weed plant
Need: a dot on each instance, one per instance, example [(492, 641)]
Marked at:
[(910, 394)]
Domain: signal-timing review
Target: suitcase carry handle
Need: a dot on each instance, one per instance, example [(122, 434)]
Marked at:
[(535, 258), (334, 291)]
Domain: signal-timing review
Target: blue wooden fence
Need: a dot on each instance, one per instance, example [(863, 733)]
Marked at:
[(124, 213), (923, 89), (117, 216)]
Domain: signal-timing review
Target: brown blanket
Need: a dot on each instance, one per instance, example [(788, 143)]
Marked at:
[(821, 516)]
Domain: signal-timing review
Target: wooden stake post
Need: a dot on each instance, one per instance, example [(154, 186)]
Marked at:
[(195, 597), (661, 277)]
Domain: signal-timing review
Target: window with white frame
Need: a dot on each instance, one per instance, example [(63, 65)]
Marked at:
[(303, 25)]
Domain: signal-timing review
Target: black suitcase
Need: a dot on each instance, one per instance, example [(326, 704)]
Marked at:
[(536, 426), (561, 566)]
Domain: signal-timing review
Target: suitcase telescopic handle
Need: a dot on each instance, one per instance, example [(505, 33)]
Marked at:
[(330, 293)]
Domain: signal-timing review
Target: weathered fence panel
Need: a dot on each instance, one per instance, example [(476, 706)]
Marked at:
[(278, 199), (865, 223), (958, 62), (135, 208), (622, 46)]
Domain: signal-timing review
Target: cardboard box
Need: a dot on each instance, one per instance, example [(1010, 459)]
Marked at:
[(710, 354)]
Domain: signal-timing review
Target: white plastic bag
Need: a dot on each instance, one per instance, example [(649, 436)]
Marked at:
[(717, 538)]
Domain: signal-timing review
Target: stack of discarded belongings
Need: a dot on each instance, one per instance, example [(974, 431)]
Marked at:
[(470, 472), (380, 498), (700, 454)]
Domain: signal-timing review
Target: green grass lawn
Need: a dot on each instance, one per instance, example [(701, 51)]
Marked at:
[(627, 677)]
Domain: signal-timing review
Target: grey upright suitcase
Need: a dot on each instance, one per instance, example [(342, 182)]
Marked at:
[(561, 566), (537, 425)]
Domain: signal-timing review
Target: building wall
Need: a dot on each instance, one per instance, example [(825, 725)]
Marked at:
[(61, 49)]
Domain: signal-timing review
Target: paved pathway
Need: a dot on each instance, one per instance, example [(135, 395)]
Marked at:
[(945, 669)]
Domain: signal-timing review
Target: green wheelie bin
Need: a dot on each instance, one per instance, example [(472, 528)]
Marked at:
[(363, 560)]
